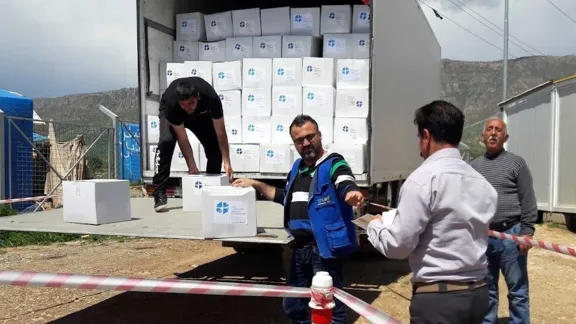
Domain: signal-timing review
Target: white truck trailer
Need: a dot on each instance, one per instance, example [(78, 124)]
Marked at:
[(405, 65)]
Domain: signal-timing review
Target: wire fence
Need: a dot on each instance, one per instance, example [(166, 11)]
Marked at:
[(39, 155)]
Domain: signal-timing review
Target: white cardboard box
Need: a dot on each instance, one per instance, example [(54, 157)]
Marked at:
[(234, 129), (352, 103), (360, 46), (301, 46), (256, 73), (287, 72), (326, 127), (286, 101), (246, 22), (256, 130), (202, 69), (305, 21), (153, 128), (238, 48), (281, 129), (350, 130), (267, 46), (354, 154), (275, 158), (96, 201), (336, 19), (227, 75), (174, 71), (179, 162), (256, 102), (152, 158), (218, 26), (185, 51), (318, 101), (192, 186), (360, 19), (275, 21), (190, 27), (231, 103), (353, 74), (245, 157), (202, 160), (229, 212), (318, 71), (213, 51), (338, 46)]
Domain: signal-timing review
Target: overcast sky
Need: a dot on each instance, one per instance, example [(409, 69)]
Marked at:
[(50, 48)]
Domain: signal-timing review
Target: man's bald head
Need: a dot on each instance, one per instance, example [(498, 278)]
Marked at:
[(495, 134)]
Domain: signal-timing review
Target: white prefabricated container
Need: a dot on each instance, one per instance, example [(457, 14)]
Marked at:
[(192, 186), (229, 212), (549, 152), (96, 201)]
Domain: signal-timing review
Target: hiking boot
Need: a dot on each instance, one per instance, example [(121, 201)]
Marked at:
[(160, 202)]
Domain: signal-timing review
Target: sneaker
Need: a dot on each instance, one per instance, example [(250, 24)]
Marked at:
[(160, 202)]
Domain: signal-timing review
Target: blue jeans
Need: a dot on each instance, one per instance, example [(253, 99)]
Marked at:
[(504, 255), (304, 264)]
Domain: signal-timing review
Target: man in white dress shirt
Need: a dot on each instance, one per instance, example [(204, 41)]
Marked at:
[(441, 224)]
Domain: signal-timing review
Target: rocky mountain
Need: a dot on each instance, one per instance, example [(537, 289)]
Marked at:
[(475, 87)]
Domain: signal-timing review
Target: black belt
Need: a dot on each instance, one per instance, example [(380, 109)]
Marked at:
[(447, 286)]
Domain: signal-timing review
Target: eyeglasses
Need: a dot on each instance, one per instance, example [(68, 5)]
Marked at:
[(310, 138)]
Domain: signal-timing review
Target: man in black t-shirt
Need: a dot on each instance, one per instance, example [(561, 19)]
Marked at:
[(190, 103)]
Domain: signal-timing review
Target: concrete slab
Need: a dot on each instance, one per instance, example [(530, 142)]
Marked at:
[(145, 222)]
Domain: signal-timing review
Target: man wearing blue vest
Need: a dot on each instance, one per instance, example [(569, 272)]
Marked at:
[(318, 201)]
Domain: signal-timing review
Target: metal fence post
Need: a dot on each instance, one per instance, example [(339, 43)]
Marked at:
[(2, 160), (115, 121)]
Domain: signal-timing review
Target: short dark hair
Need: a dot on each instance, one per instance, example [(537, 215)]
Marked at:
[(300, 120), (443, 120), (185, 90)]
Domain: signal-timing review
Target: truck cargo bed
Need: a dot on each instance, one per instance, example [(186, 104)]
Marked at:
[(174, 224)]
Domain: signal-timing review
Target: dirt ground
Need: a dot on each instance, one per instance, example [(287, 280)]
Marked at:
[(383, 283)]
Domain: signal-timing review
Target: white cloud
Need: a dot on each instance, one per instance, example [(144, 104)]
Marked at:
[(56, 47), (65, 46), (534, 22)]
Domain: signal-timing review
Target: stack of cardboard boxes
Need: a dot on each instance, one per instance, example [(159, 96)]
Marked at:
[(269, 65)]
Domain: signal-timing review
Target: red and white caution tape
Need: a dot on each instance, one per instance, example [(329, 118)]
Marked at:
[(528, 241), (363, 309), (16, 200), (63, 280)]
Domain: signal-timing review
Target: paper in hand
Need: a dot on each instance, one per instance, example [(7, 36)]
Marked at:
[(387, 219)]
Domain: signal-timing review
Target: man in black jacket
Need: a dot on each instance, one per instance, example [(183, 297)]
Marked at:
[(190, 103)]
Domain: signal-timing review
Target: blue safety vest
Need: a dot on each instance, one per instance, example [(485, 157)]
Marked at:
[(330, 216)]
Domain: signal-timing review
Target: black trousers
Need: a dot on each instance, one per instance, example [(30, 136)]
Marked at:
[(203, 127), (454, 307)]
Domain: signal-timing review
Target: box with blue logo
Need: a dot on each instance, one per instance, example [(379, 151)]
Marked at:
[(153, 129), (267, 46), (360, 19), (231, 103), (275, 158), (228, 212), (246, 22), (352, 103), (305, 21), (360, 48), (179, 162), (287, 72), (212, 51), (337, 46), (286, 101), (301, 46), (218, 26), (190, 27), (238, 48), (245, 157), (353, 74), (256, 102), (202, 69), (275, 21), (256, 72), (227, 75), (185, 51), (318, 71), (336, 19), (192, 186)]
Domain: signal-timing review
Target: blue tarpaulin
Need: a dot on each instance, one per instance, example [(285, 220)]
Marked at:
[(17, 150), (129, 152)]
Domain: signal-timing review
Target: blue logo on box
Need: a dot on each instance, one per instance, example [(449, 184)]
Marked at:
[(222, 207), (198, 185)]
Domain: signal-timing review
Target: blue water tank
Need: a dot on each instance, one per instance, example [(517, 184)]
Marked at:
[(17, 150), (129, 152)]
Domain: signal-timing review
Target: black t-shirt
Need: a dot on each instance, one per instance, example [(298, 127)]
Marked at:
[(209, 102)]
